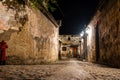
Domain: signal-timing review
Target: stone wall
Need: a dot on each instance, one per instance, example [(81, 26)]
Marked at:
[(109, 34), (91, 39), (32, 37), (104, 39), (91, 43)]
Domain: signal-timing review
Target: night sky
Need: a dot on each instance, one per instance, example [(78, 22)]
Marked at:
[(75, 14)]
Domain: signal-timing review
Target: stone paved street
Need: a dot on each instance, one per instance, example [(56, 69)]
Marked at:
[(62, 70)]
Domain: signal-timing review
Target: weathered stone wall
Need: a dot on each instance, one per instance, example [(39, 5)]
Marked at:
[(32, 37), (103, 43), (91, 44), (91, 38), (109, 31)]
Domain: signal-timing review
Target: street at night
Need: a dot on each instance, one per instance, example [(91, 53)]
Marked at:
[(59, 39)]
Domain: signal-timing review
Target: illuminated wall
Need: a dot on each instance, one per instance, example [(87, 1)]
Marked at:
[(31, 35), (104, 42)]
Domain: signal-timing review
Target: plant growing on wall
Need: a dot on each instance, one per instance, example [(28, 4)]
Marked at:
[(49, 5), (19, 7), (15, 4)]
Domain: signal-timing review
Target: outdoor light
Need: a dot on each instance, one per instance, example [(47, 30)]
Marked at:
[(82, 34), (87, 30)]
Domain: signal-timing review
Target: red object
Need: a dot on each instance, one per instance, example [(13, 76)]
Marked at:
[(3, 47)]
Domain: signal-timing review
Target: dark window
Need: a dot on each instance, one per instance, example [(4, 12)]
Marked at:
[(69, 39), (64, 48)]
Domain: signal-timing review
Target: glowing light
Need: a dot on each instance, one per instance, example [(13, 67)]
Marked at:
[(88, 30), (82, 34)]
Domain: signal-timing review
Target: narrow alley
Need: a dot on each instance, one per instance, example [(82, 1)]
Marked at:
[(59, 40), (70, 69)]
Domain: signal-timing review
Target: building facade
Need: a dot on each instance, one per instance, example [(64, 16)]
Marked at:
[(31, 34), (69, 45), (103, 37)]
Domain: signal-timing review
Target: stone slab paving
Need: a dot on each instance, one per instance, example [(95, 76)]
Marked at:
[(100, 72), (62, 70)]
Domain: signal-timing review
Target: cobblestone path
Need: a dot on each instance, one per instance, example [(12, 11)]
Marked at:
[(62, 70)]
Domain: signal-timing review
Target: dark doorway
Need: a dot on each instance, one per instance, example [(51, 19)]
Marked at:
[(97, 42)]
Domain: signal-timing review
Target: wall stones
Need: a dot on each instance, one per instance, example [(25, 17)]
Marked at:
[(105, 46), (109, 31), (31, 36)]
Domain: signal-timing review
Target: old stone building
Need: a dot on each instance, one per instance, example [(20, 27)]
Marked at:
[(84, 45), (31, 33), (69, 45), (88, 39), (109, 33), (103, 37)]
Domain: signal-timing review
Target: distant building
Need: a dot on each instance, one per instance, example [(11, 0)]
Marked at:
[(69, 45)]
